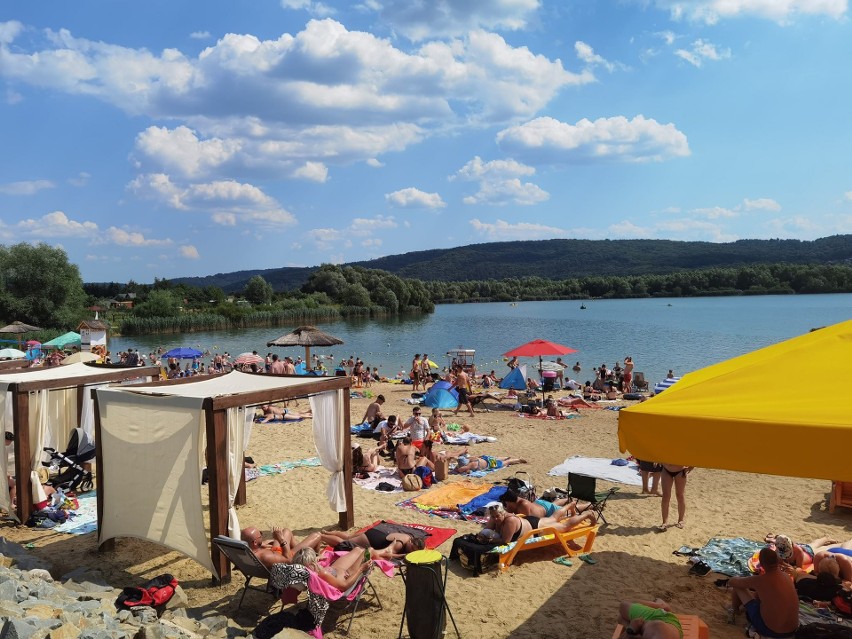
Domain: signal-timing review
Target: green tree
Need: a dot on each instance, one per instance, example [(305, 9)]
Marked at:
[(38, 285), (355, 295), (159, 303), (258, 290)]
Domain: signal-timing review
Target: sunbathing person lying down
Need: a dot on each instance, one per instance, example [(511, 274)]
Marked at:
[(485, 462), (510, 527), (277, 413)]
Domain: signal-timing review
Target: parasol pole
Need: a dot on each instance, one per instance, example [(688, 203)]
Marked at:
[(308, 358), (541, 376)]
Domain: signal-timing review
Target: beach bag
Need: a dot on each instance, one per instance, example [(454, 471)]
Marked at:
[(425, 474), (473, 555), (522, 486), (842, 602), (156, 592), (412, 482)]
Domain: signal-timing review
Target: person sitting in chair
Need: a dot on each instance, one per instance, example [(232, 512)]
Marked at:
[(343, 572), (651, 619), (281, 548)]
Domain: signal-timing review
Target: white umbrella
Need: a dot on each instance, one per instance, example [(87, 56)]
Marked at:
[(551, 366), (12, 353)]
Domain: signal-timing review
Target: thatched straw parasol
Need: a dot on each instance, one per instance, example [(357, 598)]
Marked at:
[(306, 336), (18, 328)]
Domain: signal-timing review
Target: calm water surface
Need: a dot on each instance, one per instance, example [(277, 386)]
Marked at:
[(682, 334)]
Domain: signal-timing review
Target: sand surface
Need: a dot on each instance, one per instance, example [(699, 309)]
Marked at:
[(536, 597)]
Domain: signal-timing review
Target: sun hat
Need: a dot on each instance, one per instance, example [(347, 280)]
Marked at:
[(784, 547)]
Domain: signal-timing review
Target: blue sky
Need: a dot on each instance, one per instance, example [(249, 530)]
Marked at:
[(166, 139)]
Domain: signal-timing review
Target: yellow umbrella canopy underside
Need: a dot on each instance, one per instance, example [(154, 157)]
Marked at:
[(771, 411)]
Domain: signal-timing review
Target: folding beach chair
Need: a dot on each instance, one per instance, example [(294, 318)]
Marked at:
[(240, 554), (582, 487), (639, 382), (292, 579)]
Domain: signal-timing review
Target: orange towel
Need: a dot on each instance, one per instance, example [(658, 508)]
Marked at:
[(451, 494)]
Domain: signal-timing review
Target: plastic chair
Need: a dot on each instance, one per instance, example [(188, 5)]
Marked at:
[(582, 487), (240, 554)]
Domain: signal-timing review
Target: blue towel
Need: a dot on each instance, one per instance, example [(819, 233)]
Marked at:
[(478, 503), (620, 462)]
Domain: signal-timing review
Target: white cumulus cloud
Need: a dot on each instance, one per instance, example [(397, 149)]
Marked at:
[(26, 187), (412, 198), (312, 171), (761, 204), (702, 51), (588, 55), (123, 237), (55, 225), (782, 11), (189, 252), (422, 20), (502, 230), (314, 8), (546, 140), (500, 184)]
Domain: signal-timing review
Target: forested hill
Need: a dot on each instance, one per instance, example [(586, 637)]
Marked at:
[(563, 259)]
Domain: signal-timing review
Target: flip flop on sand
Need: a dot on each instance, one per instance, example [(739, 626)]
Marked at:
[(587, 558), (679, 524), (662, 528), (563, 561)]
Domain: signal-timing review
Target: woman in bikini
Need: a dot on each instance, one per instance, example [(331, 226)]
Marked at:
[(510, 527), (674, 475), (365, 462), (342, 573), (383, 545)]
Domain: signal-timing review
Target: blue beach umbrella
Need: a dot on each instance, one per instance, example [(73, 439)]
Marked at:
[(183, 352)]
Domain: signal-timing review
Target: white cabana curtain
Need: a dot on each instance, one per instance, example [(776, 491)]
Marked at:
[(236, 454), (39, 436), (152, 449), (328, 437), (87, 414), (5, 426)]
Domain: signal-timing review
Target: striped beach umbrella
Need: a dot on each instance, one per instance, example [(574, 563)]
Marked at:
[(659, 387)]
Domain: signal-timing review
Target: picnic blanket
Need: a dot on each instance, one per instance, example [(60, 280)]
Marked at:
[(281, 467), (387, 475), (729, 556), (468, 438), (83, 520), (599, 468), (435, 535), (445, 501)]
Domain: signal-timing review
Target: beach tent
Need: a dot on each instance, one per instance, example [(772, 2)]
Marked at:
[(441, 395), (753, 413), (41, 406), (516, 379), (155, 436), (64, 341)]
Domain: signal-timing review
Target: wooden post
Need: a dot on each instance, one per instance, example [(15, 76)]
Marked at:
[(217, 473), (240, 499), (347, 520), (23, 454)]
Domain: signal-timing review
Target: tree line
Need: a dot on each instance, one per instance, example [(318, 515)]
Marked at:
[(38, 285)]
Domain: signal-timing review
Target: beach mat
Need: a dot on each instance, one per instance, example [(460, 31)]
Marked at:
[(599, 468), (84, 520), (446, 500), (436, 534), (386, 475), (281, 467)]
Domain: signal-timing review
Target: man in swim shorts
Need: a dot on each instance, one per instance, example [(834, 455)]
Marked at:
[(770, 599), (650, 619), (462, 386), (486, 462)]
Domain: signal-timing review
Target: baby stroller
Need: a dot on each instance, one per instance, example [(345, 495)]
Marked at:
[(71, 474)]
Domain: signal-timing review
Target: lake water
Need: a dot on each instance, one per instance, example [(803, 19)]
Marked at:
[(682, 334)]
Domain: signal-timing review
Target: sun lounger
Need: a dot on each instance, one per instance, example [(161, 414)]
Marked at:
[(693, 628), (548, 536)]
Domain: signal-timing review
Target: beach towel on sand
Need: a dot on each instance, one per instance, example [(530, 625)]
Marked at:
[(600, 468), (451, 494)]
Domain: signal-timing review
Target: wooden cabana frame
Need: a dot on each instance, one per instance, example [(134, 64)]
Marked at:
[(20, 390), (216, 428)]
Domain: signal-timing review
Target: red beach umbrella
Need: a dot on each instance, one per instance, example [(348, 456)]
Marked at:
[(538, 348)]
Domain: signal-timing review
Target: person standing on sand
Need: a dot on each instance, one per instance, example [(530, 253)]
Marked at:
[(462, 385), (627, 379), (650, 470), (674, 475), (415, 373)]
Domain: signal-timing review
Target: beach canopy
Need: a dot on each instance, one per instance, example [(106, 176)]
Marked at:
[(441, 395), (516, 379), (64, 341), (183, 352), (753, 413)]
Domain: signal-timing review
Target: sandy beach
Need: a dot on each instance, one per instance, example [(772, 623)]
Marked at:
[(535, 597)]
